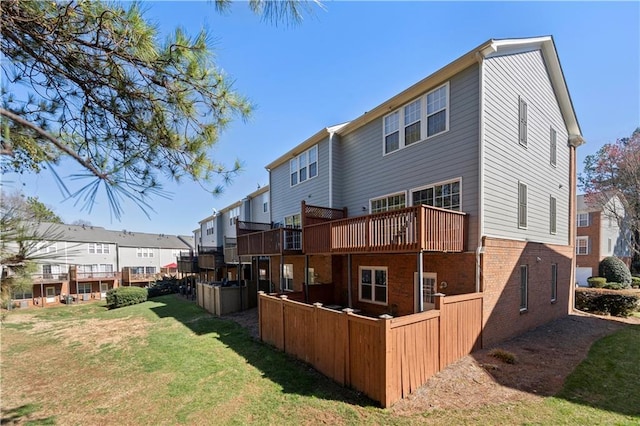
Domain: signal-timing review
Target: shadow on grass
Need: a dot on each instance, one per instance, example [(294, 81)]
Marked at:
[(22, 415), (585, 360), (292, 375)]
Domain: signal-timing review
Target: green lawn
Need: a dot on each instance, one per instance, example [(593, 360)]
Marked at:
[(168, 362)]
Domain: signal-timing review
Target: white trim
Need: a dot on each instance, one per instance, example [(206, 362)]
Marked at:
[(553, 219), (554, 282), (526, 204), (387, 196), (425, 274), (307, 155), (582, 238), (526, 294), (373, 284), (444, 182), (423, 119)]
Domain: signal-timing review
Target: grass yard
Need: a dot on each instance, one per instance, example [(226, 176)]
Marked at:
[(168, 362)]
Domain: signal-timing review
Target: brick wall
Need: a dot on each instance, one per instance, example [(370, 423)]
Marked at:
[(592, 259), (502, 318)]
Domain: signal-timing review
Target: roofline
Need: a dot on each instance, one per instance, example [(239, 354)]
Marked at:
[(300, 148), (258, 191)]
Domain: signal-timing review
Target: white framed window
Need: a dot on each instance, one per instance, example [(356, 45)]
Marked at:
[(554, 282), (417, 120), (582, 245), (50, 271), (583, 219), (51, 291), (311, 276), (522, 120), (293, 239), (388, 202), (522, 205), (287, 276), (373, 284), (48, 247), (304, 166), (210, 227), (437, 115), (553, 147), (84, 288), (98, 248), (524, 287), (293, 221), (106, 267), (443, 194), (87, 269), (265, 202), (144, 252), (553, 226), (150, 270), (234, 214)]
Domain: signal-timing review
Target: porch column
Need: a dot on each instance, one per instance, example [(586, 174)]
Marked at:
[(349, 279)]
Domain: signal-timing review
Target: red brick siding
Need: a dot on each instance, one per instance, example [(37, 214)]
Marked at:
[(592, 259), (501, 262)]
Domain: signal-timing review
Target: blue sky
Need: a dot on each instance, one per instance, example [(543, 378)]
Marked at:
[(350, 57)]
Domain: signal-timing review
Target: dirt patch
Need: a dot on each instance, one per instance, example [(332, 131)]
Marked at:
[(545, 356)]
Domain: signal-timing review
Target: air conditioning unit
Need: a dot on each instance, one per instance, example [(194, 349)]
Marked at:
[(24, 304), (86, 297)]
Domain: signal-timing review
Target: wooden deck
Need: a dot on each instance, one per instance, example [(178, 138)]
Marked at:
[(272, 242)]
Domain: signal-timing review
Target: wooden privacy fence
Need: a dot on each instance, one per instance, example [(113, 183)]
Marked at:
[(386, 358), (220, 301)]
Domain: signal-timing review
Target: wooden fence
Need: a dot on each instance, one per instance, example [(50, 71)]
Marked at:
[(220, 301), (385, 358)]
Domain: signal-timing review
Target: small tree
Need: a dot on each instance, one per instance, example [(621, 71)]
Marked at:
[(615, 171), (615, 271)]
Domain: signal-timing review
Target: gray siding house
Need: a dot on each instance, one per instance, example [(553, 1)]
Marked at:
[(462, 183)]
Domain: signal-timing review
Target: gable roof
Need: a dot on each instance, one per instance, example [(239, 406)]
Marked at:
[(124, 238), (492, 47)]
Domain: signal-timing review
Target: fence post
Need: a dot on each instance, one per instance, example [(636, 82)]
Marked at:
[(347, 346), (260, 296), (316, 343), (386, 361), (283, 299), (438, 299)]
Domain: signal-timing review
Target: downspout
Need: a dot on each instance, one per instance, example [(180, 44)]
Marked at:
[(281, 273), (330, 169), (349, 280), (480, 248)]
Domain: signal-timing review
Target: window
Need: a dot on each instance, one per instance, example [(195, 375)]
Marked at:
[(150, 270), (265, 202), (522, 205), (25, 293), (144, 252), (210, 227), (51, 271), (582, 245), (583, 219), (98, 248), (48, 247), (311, 276), (445, 195), (175, 253), (106, 267), (524, 287), (373, 284), (554, 282), (522, 116), (87, 269), (287, 276), (429, 286), (293, 239), (263, 274), (388, 202), (553, 147), (234, 214), (426, 115), (437, 110), (552, 215), (304, 166), (412, 122), (84, 288)]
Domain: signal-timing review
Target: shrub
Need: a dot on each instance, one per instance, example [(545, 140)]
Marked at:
[(614, 286), (635, 282), (596, 282), (166, 286), (502, 355), (125, 296), (615, 271), (609, 302)]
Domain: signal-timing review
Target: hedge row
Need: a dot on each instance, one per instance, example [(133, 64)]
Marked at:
[(609, 302), (125, 296)]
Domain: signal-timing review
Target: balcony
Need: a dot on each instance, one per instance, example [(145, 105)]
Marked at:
[(271, 242), (94, 276), (210, 257), (413, 229), (50, 278)]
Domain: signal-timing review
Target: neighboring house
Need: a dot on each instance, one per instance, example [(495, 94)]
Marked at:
[(598, 236), (86, 261), (217, 256), (462, 183)]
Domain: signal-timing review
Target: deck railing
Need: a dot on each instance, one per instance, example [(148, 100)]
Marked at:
[(271, 242), (406, 230), (50, 277)]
